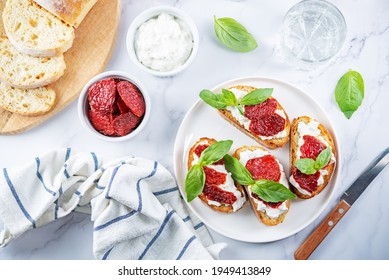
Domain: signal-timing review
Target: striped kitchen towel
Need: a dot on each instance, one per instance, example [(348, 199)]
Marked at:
[(135, 204)]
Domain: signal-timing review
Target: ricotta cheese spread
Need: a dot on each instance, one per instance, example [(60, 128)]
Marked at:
[(163, 43)]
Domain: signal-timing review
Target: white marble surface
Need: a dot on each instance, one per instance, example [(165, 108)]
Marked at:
[(361, 234)]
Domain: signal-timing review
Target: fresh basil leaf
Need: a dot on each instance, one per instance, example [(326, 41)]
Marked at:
[(229, 97), (271, 191), (349, 92), (194, 182), (234, 35), (306, 166), (256, 96), (240, 109), (215, 152), (323, 158), (212, 99), (238, 172)]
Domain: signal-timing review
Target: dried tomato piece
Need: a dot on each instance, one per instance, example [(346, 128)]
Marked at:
[(267, 125), (255, 112), (306, 182), (265, 167), (132, 97), (213, 179), (102, 122), (125, 123), (122, 106), (102, 95), (312, 147)]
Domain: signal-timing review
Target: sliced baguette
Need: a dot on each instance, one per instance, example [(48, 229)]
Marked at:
[(272, 143), (70, 11), (261, 214), (225, 208), (27, 102), (295, 136), (25, 71), (34, 31)]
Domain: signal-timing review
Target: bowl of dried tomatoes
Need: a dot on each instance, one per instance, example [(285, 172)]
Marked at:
[(114, 106)]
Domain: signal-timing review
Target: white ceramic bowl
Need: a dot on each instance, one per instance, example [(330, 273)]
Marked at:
[(153, 12), (83, 106)]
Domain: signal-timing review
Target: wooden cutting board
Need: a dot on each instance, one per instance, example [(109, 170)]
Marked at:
[(90, 53)]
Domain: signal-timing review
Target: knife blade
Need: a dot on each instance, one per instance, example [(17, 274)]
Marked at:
[(346, 201)]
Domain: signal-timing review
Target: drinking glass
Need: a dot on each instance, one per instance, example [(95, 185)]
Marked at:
[(313, 31)]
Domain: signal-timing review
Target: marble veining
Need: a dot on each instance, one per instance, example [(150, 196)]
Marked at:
[(361, 234)]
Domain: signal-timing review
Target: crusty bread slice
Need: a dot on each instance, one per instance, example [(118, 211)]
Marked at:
[(272, 143), (70, 11), (25, 71), (223, 207), (34, 31), (295, 135), (27, 102), (261, 215)]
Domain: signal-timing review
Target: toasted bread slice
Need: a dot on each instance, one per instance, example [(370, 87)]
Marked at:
[(34, 31), (25, 71), (318, 131), (265, 213), (70, 11), (27, 102), (225, 208), (271, 142)]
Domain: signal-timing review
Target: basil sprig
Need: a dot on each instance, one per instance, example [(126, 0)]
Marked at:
[(310, 166), (228, 98), (267, 190), (195, 179), (349, 92), (234, 35)]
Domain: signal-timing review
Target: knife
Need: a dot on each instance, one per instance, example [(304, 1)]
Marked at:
[(346, 201)]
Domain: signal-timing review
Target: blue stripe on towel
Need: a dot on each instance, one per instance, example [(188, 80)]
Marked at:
[(95, 161), (100, 227), (166, 191), (65, 172), (187, 218), (164, 223), (12, 188), (57, 203), (186, 247), (196, 227), (67, 156), (39, 175), (106, 254), (111, 180), (138, 185), (99, 187)]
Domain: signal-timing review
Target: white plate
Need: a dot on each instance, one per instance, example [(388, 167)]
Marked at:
[(204, 121)]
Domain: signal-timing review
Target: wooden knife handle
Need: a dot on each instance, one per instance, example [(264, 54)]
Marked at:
[(318, 235)]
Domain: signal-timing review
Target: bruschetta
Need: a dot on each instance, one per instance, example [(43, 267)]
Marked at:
[(220, 192), (263, 165), (267, 122), (309, 139)]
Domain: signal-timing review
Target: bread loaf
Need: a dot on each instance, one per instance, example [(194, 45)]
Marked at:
[(70, 11), (34, 31)]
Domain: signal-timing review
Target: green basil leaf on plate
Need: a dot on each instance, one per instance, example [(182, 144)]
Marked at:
[(256, 96), (212, 99), (234, 35), (194, 182), (215, 152), (323, 158), (229, 97), (271, 191), (238, 172), (306, 166), (349, 92)]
